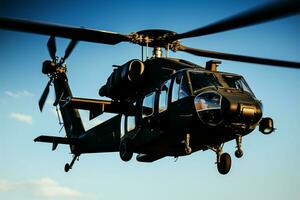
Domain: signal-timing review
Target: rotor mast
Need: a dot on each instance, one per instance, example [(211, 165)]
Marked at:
[(157, 52)]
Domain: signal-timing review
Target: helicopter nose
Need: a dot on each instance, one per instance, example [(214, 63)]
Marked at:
[(241, 108), (215, 107)]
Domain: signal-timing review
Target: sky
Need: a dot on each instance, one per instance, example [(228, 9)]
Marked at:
[(269, 168)]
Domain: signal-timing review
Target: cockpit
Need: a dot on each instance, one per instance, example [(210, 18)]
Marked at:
[(237, 82), (216, 96), (202, 80)]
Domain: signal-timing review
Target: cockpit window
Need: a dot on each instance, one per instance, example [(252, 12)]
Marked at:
[(237, 82), (184, 89), (203, 79)]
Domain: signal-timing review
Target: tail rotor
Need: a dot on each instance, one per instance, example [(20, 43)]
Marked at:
[(52, 68)]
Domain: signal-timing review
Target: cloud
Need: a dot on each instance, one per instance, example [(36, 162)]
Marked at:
[(5, 185), (18, 94), (48, 188), (21, 117), (11, 94), (45, 188)]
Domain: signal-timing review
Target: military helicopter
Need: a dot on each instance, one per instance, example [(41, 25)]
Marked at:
[(164, 106)]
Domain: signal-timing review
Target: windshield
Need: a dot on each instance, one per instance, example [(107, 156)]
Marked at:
[(208, 107), (237, 82), (203, 79)]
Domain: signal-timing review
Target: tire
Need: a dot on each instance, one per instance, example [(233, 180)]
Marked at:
[(67, 167), (224, 164), (238, 153), (125, 150)]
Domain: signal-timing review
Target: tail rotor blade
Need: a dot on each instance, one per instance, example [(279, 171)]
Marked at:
[(51, 44), (44, 95), (69, 49)]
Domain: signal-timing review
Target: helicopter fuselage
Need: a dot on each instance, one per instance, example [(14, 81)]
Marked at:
[(187, 104), (168, 107)]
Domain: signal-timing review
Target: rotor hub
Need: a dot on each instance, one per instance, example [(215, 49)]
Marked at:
[(153, 38)]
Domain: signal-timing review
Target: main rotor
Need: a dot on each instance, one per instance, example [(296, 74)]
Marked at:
[(167, 39)]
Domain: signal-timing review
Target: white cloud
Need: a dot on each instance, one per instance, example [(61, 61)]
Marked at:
[(21, 117), (18, 94), (5, 185), (11, 94), (48, 188), (26, 93), (45, 188)]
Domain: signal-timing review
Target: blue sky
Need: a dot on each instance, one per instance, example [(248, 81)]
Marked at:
[(269, 168)]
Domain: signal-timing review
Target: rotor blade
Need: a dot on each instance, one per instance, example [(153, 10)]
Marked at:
[(51, 44), (261, 14), (240, 58), (44, 95), (75, 33), (69, 49)]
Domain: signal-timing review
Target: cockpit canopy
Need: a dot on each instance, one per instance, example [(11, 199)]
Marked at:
[(237, 82), (202, 79)]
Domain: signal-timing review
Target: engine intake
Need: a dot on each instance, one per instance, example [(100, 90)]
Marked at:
[(124, 80)]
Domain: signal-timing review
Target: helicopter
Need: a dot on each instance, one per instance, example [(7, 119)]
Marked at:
[(164, 106)]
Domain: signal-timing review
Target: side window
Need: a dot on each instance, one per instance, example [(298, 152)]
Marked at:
[(184, 90), (163, 97), (122, 126), (148, 104), (175, 89), (130, 123)]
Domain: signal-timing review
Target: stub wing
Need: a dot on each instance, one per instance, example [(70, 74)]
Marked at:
[(56, 140)]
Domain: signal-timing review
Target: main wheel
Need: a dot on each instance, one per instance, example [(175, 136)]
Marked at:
[(224, 164), (125, 150)]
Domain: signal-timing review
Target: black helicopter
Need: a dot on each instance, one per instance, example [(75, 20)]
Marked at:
[(164, 106)]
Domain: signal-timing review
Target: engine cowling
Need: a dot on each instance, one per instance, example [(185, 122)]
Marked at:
[(124, 81)]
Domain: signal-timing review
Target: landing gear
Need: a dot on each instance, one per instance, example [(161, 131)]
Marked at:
[(223, 159), (126, 150), (238, 153), (69, 166), (224, 163), (187, 149)]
